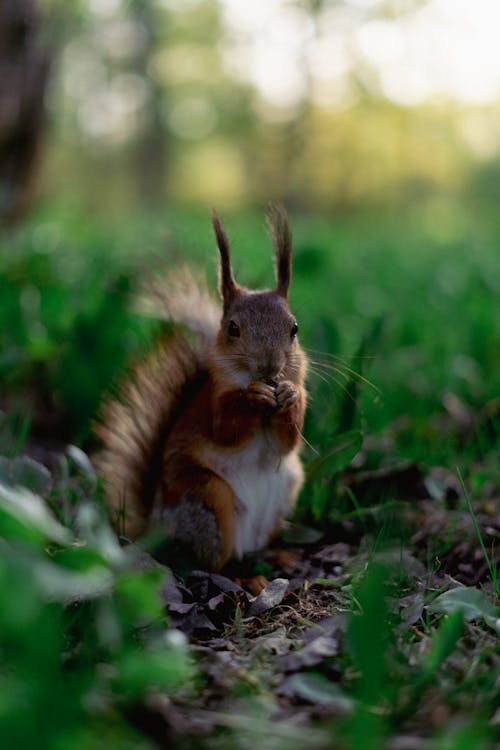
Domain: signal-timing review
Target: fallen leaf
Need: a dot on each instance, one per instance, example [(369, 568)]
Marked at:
[(270, 597), (471, 602), (316, 689), (298, 534), (320, 648), (23, 471), (276, 642)]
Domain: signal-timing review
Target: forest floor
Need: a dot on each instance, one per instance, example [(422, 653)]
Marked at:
[(383, 631), (380, 628)]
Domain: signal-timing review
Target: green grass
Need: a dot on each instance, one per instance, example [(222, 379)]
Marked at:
[(489, 557), (400, 314), (82, 630), (67, 327)]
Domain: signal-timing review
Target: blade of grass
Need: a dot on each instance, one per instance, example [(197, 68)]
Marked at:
[(443, 643), (490, 561)]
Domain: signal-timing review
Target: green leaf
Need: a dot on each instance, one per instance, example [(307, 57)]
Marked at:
[(471, 602), (81, 460), (63, 585), (57, 584), (369, 636), (320, 501), (23, 471), (143, 669), (348, 409), (444, 642), (96, 531), (139, 597), (342, 450), (298, 534), (318, 690), (79, 557), (30, 516)]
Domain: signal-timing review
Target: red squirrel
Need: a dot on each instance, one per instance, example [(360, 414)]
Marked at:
[(204, 436)]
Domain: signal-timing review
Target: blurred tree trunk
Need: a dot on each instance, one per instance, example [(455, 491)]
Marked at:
[(150, 153), (24, 67)]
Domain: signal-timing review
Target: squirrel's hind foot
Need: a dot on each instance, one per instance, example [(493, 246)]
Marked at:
[(201, 519)]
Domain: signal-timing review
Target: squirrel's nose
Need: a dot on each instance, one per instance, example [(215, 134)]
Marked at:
[(268, 371)]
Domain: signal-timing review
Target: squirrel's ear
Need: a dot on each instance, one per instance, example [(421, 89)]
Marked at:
[(282, 240), (228, 285)]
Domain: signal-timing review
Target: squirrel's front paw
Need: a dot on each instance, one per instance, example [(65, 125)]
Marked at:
[(262, 394), (286, 395)]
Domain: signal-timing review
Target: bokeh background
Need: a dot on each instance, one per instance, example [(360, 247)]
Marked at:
[(333, 106), (376, 123), (123, 122)]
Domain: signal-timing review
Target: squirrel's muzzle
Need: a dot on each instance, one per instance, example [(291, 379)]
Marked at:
[(269, 372)]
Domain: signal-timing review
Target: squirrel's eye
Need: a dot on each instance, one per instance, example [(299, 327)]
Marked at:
[(294, 331), (233, 330)]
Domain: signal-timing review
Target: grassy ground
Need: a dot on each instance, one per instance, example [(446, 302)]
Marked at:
[(384, 631)]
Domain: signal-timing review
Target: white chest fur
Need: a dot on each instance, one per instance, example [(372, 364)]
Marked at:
[(266, 485)]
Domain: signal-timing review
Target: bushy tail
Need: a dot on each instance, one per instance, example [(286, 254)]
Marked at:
[(184, 299), (134, 425)]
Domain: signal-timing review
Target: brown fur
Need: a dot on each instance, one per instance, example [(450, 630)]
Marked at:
[(282, 239), (133, 428), (189, 410), (228, 286)]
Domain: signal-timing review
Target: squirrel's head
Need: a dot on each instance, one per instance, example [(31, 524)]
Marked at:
[(258, 334)]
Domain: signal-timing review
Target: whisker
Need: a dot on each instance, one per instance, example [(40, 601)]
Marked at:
[(340, 357), (353, 373), (320, 376), (320, 370), (331, 378), (306, 441), (329, 368)]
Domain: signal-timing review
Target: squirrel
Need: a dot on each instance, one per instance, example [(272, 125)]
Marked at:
[(204, 436)]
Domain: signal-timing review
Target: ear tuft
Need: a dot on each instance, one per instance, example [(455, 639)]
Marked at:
[(228, 285), (282, 240)]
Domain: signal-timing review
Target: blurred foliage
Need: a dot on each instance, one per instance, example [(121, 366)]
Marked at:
[(152, 101), (77, 645), (396, 284), (420, 289), (58, 291)]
